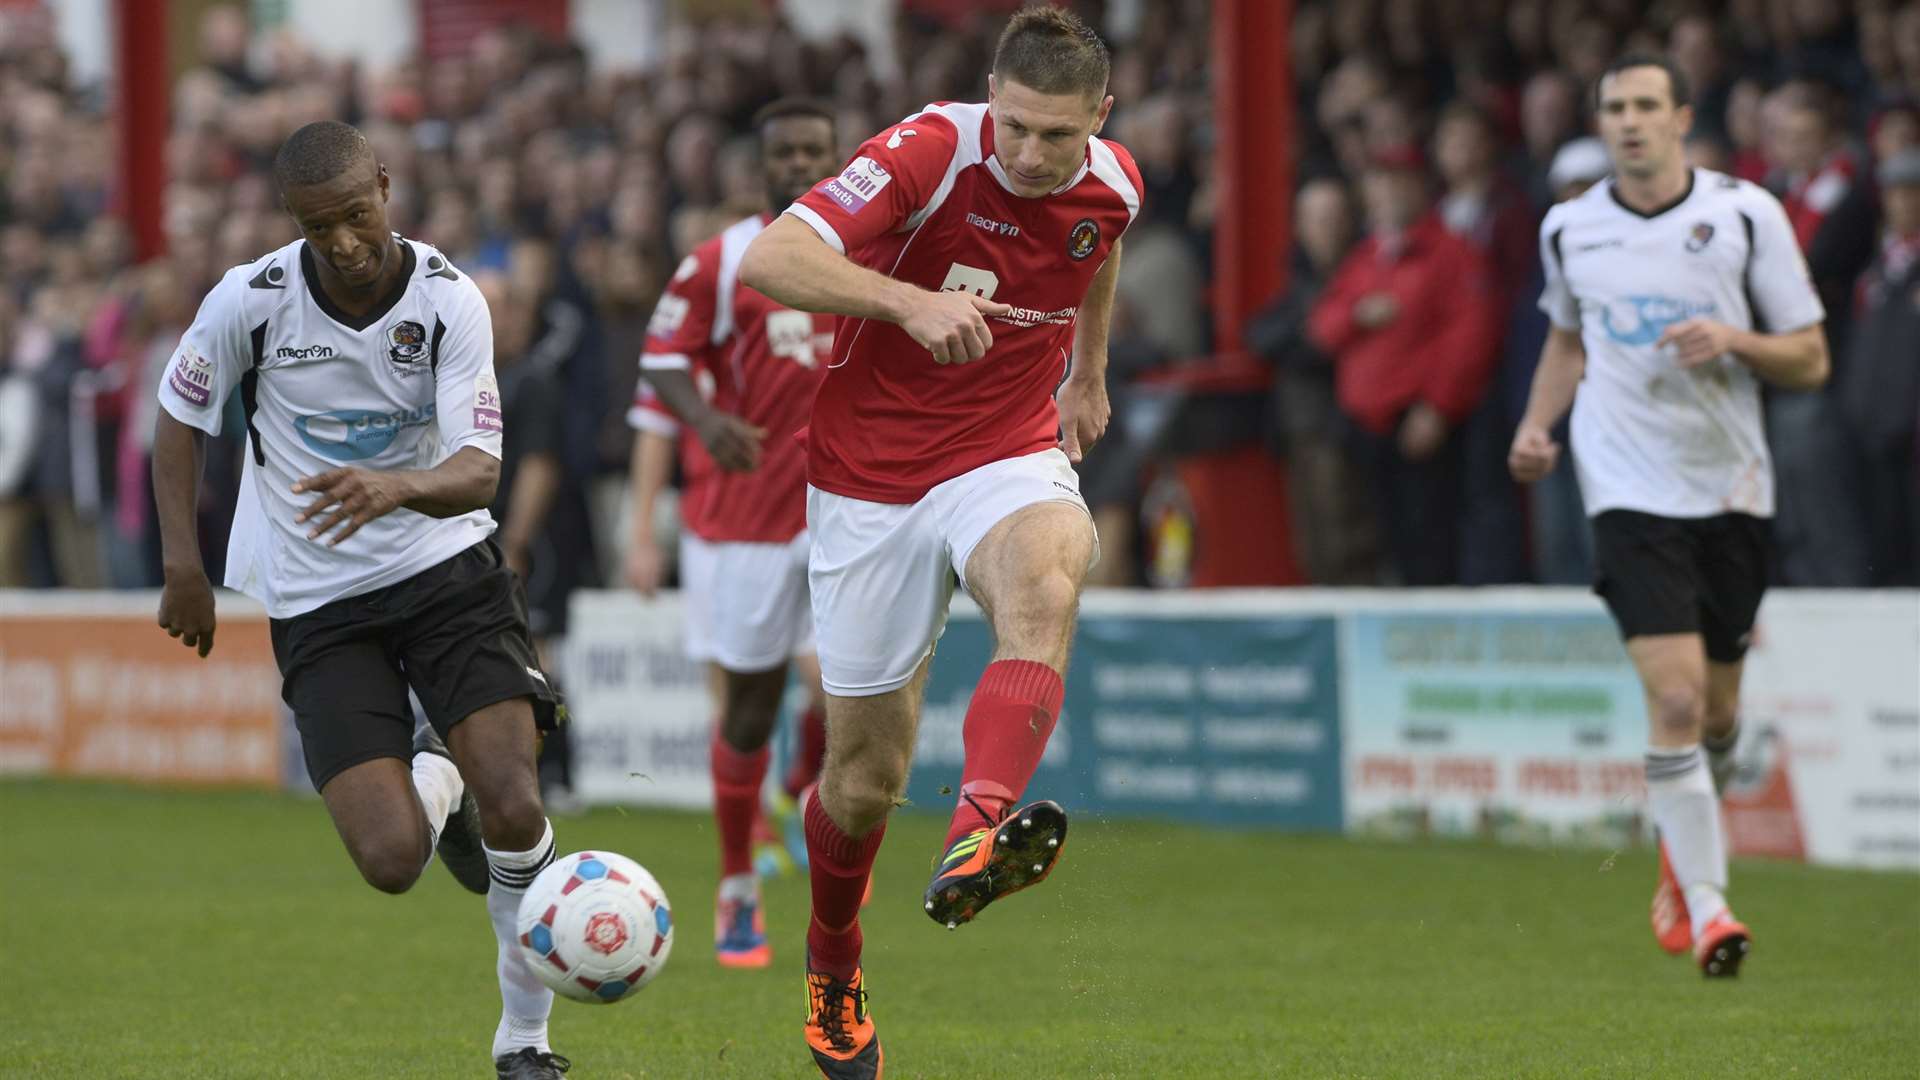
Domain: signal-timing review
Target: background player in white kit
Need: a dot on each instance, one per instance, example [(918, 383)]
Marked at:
[(365, 365), (1673, 293)]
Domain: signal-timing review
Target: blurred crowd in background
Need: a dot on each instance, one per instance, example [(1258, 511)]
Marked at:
[(572, 192)]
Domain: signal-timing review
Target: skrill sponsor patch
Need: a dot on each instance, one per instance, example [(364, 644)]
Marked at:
[(486, 405), (853, 189), (192, 377)]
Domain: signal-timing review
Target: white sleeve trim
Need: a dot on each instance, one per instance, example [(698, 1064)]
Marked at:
[(1106, 165), (665, 362), (652, 421), (818, 224), (481, 439), (209, 422)]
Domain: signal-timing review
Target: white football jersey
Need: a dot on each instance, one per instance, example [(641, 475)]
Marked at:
[(1648, 434), (403, 388)]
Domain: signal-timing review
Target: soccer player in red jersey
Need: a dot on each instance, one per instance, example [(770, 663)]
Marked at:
[(744, 559), (971, 252)]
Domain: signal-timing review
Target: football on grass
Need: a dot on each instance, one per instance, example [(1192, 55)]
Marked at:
[(596, 927)]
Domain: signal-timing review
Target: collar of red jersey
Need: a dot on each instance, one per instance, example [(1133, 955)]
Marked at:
[(1000, 174)]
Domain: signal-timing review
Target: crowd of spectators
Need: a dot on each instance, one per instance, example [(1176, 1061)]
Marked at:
[(1431, 136), (570, 190)]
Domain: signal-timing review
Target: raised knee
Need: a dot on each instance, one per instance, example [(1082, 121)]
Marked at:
[(1056, 594), (868, 792), (391, 868), (1678, 708), (511, 817)]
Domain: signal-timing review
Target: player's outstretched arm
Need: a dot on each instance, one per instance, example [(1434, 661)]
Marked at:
[(790, 263), (186, 596), (353, 496), (1563, 361)]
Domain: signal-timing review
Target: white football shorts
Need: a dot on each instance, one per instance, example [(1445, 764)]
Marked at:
[(883, 573), (745, 603)]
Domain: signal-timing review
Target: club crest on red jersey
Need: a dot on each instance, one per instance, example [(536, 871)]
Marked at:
[(1084, 237)]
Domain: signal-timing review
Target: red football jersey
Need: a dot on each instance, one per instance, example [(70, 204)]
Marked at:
[(765, 364), (926, 202)]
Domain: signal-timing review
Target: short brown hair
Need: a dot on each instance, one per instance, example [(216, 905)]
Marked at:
[(1050, 50)]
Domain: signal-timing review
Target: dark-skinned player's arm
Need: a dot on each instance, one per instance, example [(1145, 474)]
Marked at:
[(186, 596), (683, 336), (467, 413), (1082, 398), (733, 443), (213, 355)]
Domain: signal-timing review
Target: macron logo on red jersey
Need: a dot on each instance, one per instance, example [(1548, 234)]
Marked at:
[(856, 187)]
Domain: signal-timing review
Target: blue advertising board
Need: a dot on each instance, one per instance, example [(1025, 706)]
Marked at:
[(1226, 720)]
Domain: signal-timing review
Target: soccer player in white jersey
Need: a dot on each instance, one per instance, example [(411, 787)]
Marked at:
[(1674, 293), (365, 365)]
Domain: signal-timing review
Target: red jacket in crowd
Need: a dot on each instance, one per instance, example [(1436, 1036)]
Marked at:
[(1441, 343), (1809, 201)]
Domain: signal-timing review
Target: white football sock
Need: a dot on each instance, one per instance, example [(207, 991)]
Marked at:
[(439, 785), (525, 1001), (1685, 809), (739, 887)]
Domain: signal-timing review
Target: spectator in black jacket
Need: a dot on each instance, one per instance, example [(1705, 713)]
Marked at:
[(1879, 389), (1333, 527)]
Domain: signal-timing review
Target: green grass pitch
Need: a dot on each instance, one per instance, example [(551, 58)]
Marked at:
[(207, 935)]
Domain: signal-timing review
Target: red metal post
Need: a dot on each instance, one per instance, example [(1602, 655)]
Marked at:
[(1254, 173), (140, 99)]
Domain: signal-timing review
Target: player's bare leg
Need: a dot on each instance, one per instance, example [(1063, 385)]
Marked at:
[(1026, 574), (1720, 734), (495, 749), (750, 705), (869, 750), (1680, 795), (382, 822)]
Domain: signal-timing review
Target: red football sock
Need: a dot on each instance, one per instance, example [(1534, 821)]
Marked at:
[(809, 752), (736, 798), (839, 866), (1012, 713)]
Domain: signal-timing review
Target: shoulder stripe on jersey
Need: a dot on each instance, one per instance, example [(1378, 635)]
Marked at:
[(1106, 166), (250, 391), (733, 248), (1553, 241), (433, 346), (966, 152)]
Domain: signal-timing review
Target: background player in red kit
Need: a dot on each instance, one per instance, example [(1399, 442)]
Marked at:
[(744, 566), (970, 251)]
